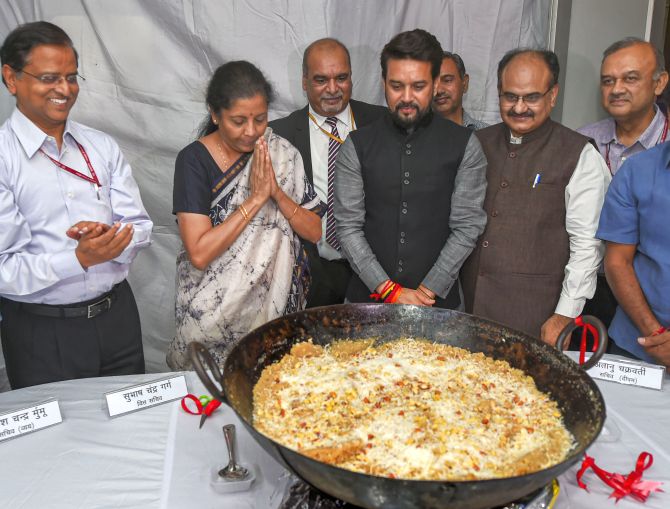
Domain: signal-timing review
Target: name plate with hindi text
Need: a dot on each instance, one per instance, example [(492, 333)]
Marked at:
[(26, 420), (145, 395), (626, 371)]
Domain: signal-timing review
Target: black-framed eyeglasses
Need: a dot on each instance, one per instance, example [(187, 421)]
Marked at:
[(529, 99), (54, 79)]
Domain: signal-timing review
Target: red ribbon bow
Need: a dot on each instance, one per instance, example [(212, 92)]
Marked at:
[(632, 484), (586, 328), (204, 405)]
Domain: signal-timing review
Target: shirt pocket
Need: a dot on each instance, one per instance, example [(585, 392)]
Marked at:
[(103, 205)]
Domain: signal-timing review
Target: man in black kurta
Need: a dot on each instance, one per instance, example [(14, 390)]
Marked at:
[(409, 187)]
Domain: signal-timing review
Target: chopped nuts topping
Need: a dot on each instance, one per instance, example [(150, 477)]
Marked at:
[(433, 412)]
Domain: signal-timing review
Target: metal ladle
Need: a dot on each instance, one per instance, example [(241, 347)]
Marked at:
[(233, 471)]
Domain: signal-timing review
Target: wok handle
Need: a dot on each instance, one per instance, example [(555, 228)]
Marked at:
[(566, 335), (200, 357)]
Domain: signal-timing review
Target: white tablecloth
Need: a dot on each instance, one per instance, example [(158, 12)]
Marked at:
[(158, 458)]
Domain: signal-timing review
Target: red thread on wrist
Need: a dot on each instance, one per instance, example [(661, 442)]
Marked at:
[(395, 293), (388, 288), (388, 294), (384, 292)]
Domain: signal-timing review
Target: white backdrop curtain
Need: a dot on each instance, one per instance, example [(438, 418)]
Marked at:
[(147, 63)]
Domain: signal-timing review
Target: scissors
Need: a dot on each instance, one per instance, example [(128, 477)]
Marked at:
[(205, 406)]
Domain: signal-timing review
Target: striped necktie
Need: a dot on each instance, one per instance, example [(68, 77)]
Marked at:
[(333, 149)]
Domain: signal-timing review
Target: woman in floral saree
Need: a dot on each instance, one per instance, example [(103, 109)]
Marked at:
[(242, 201)]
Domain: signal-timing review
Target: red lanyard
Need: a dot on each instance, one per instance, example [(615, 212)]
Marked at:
[(664, 135), (93, 179)]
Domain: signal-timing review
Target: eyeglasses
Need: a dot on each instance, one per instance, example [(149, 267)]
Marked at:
[(54, 79), (529, 99)]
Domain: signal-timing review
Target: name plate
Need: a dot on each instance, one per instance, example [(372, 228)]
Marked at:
[(139, 397), (29, 419), (626, 371)]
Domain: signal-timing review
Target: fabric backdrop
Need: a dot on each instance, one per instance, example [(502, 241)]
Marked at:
[(147, 63)]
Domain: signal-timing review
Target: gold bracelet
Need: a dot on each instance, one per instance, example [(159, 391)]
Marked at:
[(421, 290), (295, 211), (244, 212)]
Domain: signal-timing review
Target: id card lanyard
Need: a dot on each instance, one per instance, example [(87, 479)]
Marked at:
[(93, 179), (330, 135)]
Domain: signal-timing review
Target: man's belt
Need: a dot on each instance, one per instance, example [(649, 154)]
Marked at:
[(82, 310)]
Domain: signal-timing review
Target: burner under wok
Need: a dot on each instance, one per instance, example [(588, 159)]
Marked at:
[(301, 495)]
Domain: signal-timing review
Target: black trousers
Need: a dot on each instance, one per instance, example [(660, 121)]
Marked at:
[(41, 349), (603, 304), (329, 279)]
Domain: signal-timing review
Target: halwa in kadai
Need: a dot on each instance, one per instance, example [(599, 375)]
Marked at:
[(409, 409)]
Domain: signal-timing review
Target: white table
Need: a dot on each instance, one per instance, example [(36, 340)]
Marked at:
[(158, 458)]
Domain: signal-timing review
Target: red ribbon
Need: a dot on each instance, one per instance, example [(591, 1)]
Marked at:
[(632, 484), (207, 409), (586, 328)]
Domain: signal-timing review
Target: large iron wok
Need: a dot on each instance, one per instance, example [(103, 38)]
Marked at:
[(577, 395)]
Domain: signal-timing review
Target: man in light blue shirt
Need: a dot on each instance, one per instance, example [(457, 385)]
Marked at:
[(632, 75), (72, 221), (634, 222)]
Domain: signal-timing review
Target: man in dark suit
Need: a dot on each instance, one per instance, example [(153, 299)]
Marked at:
[(317, 131)]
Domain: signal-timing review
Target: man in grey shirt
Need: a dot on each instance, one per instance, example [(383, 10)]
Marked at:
[(409, 188)]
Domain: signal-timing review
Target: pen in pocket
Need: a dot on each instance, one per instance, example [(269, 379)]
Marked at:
[(538, 177)]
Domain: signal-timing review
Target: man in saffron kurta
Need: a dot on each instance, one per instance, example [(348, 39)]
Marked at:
[(536, 262)]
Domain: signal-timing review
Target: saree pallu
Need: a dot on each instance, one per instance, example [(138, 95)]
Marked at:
[(264, 274)]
